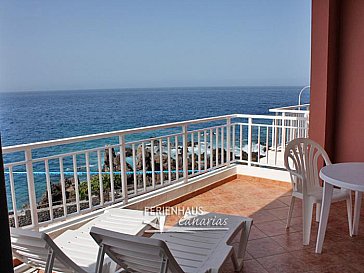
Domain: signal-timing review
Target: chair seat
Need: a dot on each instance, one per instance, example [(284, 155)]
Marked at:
[(338, 195)]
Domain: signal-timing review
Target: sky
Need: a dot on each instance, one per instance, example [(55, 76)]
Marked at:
[(68, 45)]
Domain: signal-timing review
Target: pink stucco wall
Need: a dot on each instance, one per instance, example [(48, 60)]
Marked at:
[(337, 78)]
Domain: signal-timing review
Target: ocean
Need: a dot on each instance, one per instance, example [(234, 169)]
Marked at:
[(27, 117)]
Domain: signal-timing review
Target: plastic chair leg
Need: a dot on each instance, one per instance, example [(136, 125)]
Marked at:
[(290, 211), (307, 220)]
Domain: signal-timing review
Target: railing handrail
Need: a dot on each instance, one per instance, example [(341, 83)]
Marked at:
[(267, 117), (300, 94), (70, 140), (291, 109)]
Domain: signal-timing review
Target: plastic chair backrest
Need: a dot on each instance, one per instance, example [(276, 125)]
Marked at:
[(134, 253), (302, 158)]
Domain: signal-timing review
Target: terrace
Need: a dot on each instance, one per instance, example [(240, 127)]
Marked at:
[(234, 164)]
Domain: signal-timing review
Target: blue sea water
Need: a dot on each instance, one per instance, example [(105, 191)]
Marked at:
[(27, 117)]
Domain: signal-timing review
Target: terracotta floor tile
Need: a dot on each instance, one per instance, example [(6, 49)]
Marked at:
[(282, 263), (328, 262), (349, 251), (334, 268), (274, 228), (287, 193), (335, 232), (247, 256), (292, 241), (230, 210), (296, 223), (282, 213), (264, 247), (286, 199), (309, 256), (256, 233), (262, 216), (252, 266), (275, 204)]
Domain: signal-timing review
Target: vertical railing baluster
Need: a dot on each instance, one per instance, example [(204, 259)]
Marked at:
[(217, 147), (267, 145), (250, 124), (134, 170), (185, 153), (101, 183), (88, 177), (161, 160), (205, 150), (193, 152), (228, 140), (63, 186), (49, 189), (13, 197), (144, 168), (283, 132), (222, 145), (290, 128), (75, 178), (199, 150), (123, 175), (31, 188), (276, 144), (177, 156), (169, 159), (279, 134), (233, 143), (274, 131), (241, 141), (211, 148), (152, 162), (111, 169), (258, 146)]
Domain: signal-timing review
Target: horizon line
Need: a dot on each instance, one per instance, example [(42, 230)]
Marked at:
[(143, 88)]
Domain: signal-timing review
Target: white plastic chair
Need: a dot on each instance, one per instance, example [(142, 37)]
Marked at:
[(302, 158)]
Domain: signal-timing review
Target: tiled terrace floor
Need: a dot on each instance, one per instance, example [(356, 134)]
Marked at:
[(271, 247)]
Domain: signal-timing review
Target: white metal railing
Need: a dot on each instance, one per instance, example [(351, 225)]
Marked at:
[(300, 111), (76, 181)]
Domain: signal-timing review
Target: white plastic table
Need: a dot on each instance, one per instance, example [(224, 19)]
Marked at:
[(344, 175)]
